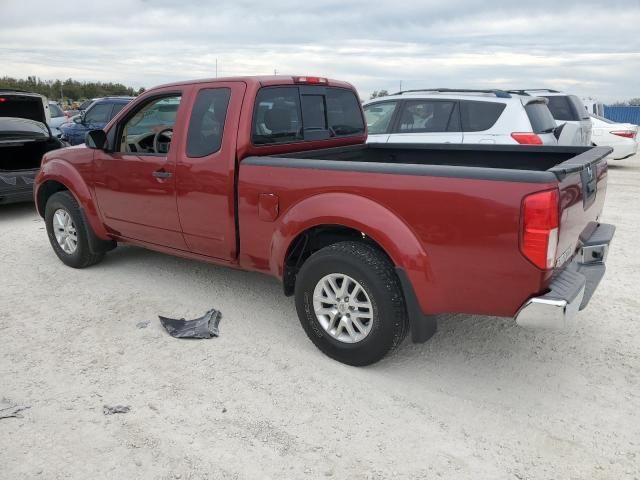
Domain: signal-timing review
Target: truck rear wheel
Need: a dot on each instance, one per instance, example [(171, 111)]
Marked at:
[(350, 303), (67, 231)]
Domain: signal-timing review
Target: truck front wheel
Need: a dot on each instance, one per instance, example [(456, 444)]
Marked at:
[(67, 231), (350, 303)]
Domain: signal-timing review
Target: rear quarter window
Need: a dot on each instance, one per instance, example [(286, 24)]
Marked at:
[(479, 116), (540, 117)]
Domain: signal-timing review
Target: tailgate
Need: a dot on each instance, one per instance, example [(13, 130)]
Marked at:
[(583, 185)]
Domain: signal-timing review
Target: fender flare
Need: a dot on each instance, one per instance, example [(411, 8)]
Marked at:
[(62, 172), (374, 220)]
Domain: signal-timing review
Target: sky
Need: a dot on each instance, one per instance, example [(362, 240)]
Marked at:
[(583, 47)]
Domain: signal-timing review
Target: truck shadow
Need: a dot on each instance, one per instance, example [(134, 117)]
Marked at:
[(13, 211), (464, 350)]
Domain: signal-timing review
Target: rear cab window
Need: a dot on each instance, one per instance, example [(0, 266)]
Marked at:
[(540, 117), (303, 113)]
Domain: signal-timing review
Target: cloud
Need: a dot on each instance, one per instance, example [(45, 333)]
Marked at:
[(591, 48)]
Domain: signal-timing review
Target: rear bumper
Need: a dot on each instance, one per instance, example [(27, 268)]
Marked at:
[(17, 186), (571, 290)]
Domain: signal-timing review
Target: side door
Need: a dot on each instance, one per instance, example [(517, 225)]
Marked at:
[(427, 121), (134, 182), (379, 117), (205, 180)]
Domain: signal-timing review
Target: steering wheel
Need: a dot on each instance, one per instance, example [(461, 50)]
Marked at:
[(157, 143)]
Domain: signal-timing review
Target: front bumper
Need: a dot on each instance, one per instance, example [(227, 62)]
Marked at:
[(571, 290)]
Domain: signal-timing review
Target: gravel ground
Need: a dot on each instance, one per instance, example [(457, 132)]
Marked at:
[(482, 399)]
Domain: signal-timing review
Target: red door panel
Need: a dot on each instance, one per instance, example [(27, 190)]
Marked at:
[(205, 184), (136, 196)]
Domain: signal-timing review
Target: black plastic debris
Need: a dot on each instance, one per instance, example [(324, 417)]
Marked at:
[(107, 410), (203, 327)]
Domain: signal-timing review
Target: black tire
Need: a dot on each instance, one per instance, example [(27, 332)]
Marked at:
[(375, 273), (82, 256)]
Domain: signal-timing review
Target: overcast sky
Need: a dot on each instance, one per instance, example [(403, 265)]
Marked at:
[(590, 48)]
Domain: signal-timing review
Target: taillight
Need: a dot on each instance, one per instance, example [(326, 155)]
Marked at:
[(624, 133), (526, 138), (311, 80), (540, 228)]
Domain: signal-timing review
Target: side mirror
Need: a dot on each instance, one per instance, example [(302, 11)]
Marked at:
[(96, 139)]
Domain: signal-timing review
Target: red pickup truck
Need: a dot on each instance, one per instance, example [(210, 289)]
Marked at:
[(272, 174)]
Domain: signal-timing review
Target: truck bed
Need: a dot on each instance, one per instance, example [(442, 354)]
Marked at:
[(463, 203)]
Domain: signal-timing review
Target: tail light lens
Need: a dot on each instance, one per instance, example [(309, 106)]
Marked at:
[(526, 138), (540, 228), (624, 133)]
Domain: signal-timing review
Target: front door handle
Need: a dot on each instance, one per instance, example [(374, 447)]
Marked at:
[(162, 174)]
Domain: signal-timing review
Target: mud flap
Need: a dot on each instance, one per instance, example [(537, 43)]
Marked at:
[(422, 326)]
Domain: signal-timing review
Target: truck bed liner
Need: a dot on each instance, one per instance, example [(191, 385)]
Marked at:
[(491, 162)]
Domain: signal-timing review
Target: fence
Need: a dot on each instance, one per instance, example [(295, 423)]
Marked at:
[(623, 114)]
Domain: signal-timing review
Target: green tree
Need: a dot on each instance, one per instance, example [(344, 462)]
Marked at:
[(378, 93)]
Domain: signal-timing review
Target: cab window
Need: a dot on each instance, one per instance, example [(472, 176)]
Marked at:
[(304, 113), (207, 122), (150, 128)]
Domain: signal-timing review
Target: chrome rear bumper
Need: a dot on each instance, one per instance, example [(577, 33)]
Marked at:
[(571, 290)]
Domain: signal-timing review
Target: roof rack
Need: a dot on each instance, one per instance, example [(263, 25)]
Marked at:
[(13, 90), (496, 92), (525, 90)]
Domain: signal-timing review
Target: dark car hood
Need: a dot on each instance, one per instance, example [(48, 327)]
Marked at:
[(17, 130)]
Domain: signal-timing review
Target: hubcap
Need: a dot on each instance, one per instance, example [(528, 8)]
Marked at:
[(65, 231), (343, 308)]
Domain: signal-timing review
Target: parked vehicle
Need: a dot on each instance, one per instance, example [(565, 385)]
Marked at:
[(96, 116), (593, 105), (373, 240), (58, 117), (459, 116), (567, 109), (622, 137), (24, 138)]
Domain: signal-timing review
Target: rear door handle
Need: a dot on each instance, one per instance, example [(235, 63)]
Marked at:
[(162, 174)]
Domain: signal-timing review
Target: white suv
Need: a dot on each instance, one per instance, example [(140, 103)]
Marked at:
[(445, 115), (566, 109)]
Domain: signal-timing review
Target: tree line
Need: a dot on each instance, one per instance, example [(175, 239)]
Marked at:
[(69, 89)]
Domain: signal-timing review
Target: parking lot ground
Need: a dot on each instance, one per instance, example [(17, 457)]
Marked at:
[(482, 399)]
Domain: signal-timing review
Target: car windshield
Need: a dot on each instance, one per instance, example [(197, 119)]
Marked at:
[(55, 111)]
